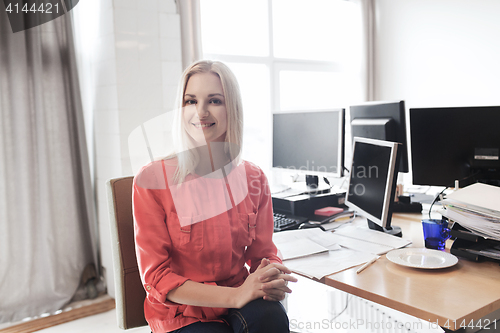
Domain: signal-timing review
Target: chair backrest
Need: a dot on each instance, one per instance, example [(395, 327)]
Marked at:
[(129, 291)]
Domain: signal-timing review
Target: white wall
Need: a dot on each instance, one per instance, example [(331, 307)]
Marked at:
[(130, 63), (433, 53), (438, 52)]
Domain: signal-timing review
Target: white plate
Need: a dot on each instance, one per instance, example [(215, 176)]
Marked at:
[(422, 258)]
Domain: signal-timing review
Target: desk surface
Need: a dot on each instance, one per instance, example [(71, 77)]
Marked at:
[(467, 291)]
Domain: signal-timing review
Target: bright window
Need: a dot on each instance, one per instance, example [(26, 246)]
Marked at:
[(287, 55), (235, 27), (312, 30)]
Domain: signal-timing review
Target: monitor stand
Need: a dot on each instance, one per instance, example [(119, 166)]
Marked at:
[(393, 230)]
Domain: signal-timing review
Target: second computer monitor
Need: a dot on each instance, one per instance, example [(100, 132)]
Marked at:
[(309, 142), (372, 182), (455, 144), (382, 121)]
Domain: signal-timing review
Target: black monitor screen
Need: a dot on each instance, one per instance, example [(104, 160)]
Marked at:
[(311, 142), (455, 143), (382, 121), (372, 182), (368, 181)]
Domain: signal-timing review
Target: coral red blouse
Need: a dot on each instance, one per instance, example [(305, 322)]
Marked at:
[(204, 230)]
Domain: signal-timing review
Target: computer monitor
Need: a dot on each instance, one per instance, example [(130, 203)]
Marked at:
[(382, 121), (310, 143), (455, 143), (372, 182)]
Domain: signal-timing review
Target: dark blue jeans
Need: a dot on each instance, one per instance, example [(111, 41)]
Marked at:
[(258, 316)]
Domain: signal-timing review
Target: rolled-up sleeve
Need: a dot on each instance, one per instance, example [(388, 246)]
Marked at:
[(153, 243), (262, 246)]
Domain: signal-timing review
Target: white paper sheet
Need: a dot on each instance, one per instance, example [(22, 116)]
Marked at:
[(299, 248), (479, 197), (372, 236), (360, 245), (323, 264), (315, 235)]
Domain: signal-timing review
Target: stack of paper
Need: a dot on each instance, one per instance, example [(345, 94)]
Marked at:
[(315, 253), (477, 208), (361, 238), (303, 242), (326, 263)]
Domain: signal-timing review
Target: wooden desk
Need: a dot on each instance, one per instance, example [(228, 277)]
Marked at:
[(451, 297)]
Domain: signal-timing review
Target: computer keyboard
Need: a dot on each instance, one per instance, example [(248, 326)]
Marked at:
[(287, 222)]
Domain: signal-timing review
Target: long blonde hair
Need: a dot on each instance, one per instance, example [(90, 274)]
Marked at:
[(187, 157)]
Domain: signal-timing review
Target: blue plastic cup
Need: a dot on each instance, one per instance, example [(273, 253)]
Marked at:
[(436, 233)]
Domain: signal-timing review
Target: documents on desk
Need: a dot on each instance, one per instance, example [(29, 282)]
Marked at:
[(477, 208), (361, 238), (482, 225), (481, 198), (322, 264), (315, 253), (304, 242)]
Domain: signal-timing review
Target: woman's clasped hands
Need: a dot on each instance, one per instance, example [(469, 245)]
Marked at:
[(269, 281)]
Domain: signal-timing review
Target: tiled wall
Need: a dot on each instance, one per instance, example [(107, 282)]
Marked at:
[(133, 63)]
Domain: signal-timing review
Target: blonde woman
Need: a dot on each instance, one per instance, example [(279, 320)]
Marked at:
[(202, 214)]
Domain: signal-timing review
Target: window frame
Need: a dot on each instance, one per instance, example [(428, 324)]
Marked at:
[(364, 74)]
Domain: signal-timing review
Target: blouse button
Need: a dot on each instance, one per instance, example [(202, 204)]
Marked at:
[(148, 287)]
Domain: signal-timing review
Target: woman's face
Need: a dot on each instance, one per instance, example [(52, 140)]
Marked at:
[(204, 113)]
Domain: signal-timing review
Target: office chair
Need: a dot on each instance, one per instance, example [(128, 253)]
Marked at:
[(129, 291)]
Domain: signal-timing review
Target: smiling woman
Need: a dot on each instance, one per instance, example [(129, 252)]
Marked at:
[(204, 222), (209, 111), (204, 111)]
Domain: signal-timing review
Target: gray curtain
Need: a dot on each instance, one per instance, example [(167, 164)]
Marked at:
[(189, 11), (368, 8), (47, 230)]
